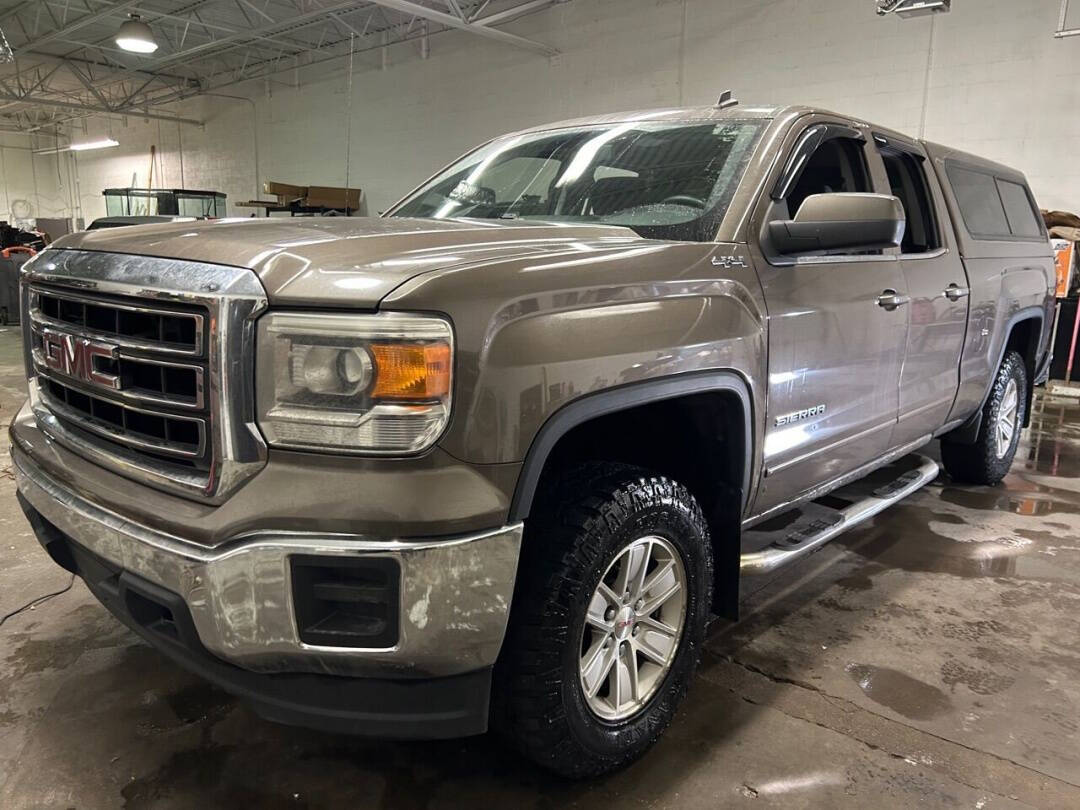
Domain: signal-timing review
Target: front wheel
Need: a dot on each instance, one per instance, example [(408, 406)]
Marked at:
[(608, 619), (988, 460)]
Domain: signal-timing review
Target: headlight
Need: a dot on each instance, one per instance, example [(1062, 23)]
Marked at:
[(362, 383)]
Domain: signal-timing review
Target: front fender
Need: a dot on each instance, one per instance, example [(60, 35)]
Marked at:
[(535, 335)]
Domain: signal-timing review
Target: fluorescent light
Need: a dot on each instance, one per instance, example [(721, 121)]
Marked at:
[(104, 143), (134, 35)]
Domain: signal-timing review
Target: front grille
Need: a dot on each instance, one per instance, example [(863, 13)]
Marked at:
[(154, 381), (140, 325), (160, 434), (127, 393), (127, 356)]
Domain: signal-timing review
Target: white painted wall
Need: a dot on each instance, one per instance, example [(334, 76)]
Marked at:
[(32, 178), (988, 77), (218, 156)]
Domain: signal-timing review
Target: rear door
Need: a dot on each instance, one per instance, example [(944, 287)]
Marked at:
[(938, 287), (835, 352)]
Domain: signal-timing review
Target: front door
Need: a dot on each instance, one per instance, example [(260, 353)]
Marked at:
[(937, 284), (837, 330)]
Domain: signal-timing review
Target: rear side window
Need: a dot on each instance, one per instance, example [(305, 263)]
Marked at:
[(1018, 209), (993, 207)]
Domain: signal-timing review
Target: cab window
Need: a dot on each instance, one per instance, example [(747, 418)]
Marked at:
[(907, 181), (838, 165)]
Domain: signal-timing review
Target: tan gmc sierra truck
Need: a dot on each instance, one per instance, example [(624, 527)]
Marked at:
[(497, 456)]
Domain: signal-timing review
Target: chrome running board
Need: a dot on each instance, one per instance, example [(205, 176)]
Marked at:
[(820, 523)]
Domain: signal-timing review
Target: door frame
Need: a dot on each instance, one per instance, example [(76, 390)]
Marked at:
[(799, 142), (886, 141)]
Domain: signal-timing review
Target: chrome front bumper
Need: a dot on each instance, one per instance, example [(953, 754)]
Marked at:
[(455, 593)]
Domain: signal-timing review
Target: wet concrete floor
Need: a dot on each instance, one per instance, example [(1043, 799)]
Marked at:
[(931, 658)]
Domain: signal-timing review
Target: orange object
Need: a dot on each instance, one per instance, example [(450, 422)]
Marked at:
[(6, 252), (1063, 264), (411, 371)]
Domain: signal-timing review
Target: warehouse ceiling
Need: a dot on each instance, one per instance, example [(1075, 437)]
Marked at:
[(66, 64)]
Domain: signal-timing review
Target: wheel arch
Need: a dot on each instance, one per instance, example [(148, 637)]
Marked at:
[(676, 413), (1023, 332)]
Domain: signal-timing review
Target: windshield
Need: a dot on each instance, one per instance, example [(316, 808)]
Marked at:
[(663, 180)]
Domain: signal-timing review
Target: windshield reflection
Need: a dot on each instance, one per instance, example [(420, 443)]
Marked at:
[(663, 180)]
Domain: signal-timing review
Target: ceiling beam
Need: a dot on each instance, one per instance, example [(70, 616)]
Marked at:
[(113, 68), (98, 74), (154, 17), (81, 22), (240, 37), (452, 21), (91, 108), (514, 12), (57, 122), (89, 85), (13, 12)]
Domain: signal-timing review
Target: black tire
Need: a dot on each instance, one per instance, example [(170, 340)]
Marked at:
[(578, 529), (981, 463)]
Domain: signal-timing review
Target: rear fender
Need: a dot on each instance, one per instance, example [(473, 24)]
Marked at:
[(968, 432)]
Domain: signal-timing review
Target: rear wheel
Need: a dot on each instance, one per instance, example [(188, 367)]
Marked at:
[(608, 619), (988, 460)]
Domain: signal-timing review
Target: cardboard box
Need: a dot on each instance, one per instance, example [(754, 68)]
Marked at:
[(285, 192), (314, 196), (333, 197)]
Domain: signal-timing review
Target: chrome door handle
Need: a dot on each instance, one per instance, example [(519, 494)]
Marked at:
[(890, 300), (954, 292)]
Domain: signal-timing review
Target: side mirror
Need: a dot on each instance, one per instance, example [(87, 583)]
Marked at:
[(841, 222)]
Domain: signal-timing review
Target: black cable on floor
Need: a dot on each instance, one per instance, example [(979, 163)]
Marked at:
[(35, 602)]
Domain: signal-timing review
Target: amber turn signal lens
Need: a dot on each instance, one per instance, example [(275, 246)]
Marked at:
[(411, 371)]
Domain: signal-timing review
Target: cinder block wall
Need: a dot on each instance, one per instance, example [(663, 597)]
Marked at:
[(988, 77)]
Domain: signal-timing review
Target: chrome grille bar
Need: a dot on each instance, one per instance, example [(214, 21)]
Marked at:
[(136, 393), (64, 310), (119, 426)]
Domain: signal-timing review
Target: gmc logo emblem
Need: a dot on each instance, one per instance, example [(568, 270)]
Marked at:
[(75, 357)]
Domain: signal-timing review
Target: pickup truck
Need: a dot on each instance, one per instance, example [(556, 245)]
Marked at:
[(499, 455)]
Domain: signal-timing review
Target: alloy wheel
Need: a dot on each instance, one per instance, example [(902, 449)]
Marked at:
[(633, 626), (1005, 427)]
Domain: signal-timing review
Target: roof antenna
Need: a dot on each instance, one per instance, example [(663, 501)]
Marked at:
[(726, 100)]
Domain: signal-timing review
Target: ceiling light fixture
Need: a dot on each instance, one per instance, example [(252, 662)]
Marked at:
[(135, 36), (103, 143)]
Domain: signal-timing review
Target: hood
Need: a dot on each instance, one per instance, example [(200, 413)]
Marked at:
[(353, 261)]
